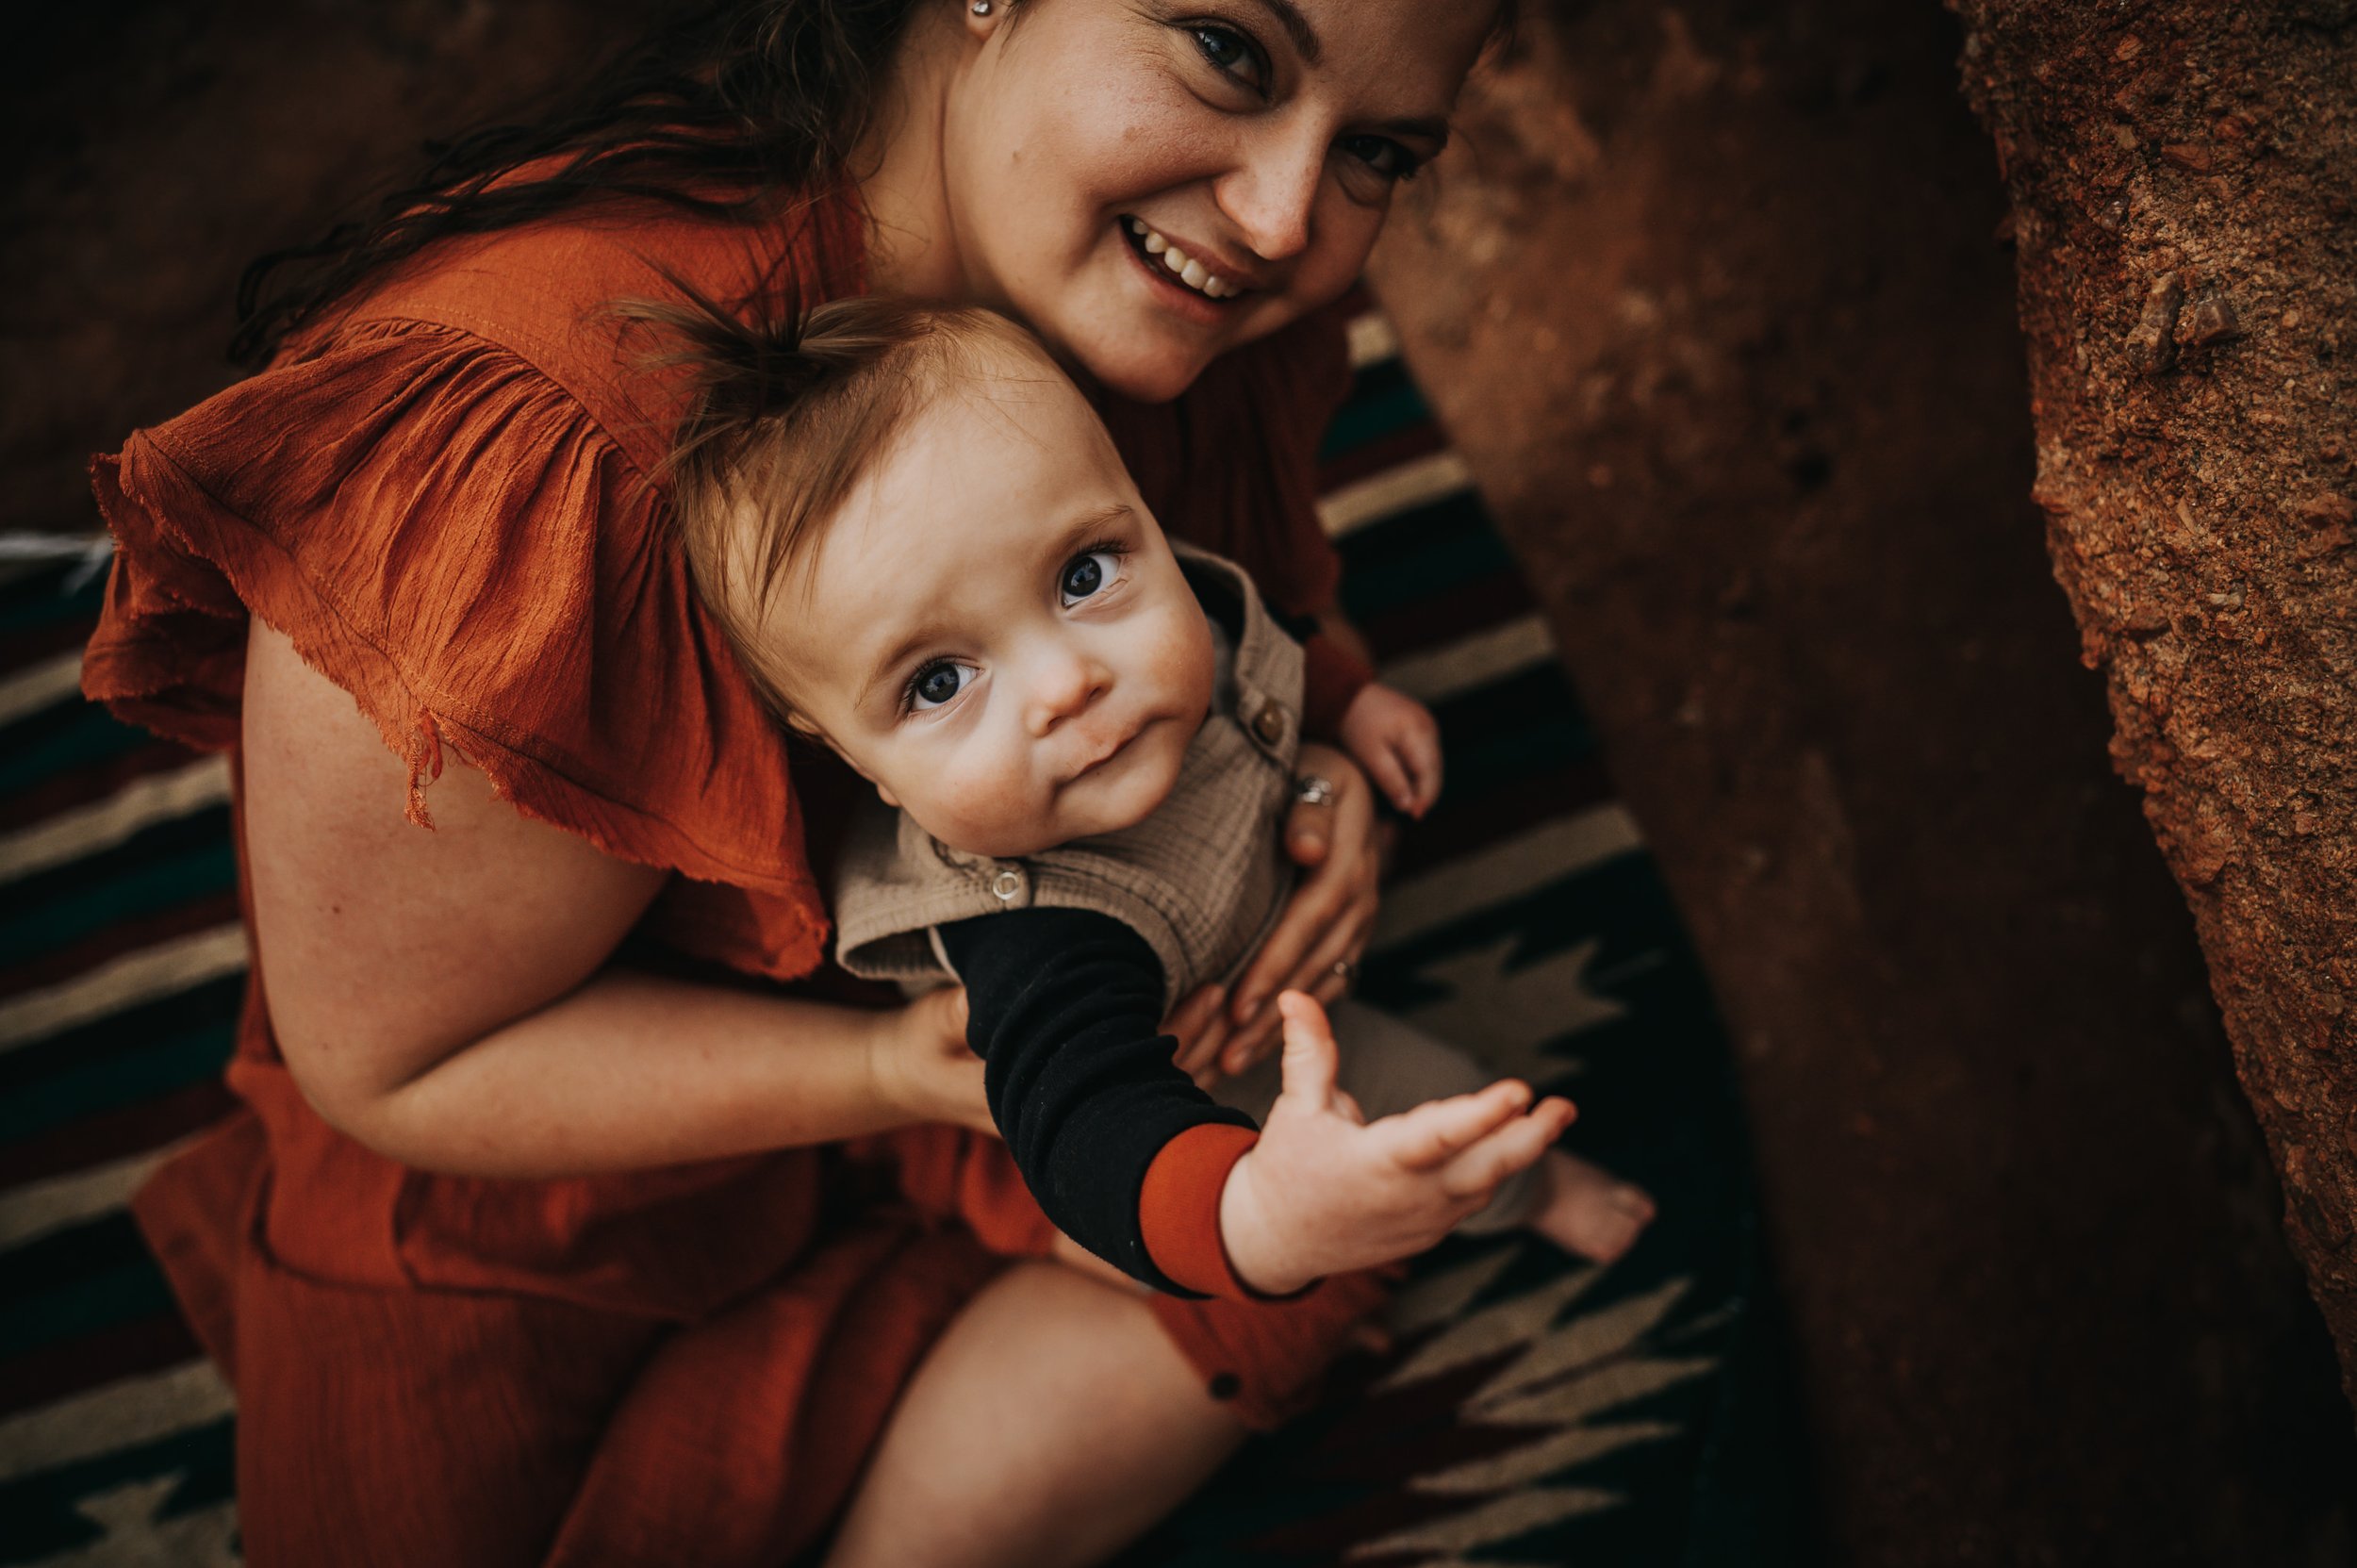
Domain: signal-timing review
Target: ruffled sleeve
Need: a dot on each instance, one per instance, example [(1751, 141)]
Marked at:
[(445, 532)]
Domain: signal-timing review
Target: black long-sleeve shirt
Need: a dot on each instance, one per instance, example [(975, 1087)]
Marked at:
[(1065, 1011)]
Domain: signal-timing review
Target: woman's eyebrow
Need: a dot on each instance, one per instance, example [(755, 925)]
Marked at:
[(1297, 27)]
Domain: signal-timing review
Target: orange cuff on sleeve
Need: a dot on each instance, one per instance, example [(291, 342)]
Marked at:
[(1179, 1209)]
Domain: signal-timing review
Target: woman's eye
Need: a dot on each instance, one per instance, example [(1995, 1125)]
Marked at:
[(1231, 53), (937, 683), (1384, 155), (1087, 575)]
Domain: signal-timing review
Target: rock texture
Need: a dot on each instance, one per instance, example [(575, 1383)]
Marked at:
[(2184, 191), (1717, 300)]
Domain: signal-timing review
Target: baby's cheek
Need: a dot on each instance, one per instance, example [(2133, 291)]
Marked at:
[(978, 809)]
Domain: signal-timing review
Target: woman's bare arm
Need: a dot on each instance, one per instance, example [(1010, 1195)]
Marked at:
[(441, 997)]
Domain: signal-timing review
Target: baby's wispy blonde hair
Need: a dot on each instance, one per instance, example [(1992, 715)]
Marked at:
[(782, 419)]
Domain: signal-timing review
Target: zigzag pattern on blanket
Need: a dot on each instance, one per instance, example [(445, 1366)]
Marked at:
[(1535, 1410)]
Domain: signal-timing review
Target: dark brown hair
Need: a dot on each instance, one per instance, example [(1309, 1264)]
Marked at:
[(782, 419), (731, 110), (728, 110)]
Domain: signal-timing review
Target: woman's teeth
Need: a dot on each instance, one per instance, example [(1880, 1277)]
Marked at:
[(1185, 268)]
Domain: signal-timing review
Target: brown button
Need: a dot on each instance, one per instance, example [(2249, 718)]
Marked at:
[(1226, 1385), (1269, 724)]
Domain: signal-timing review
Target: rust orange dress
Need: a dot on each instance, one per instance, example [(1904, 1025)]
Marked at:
[(442, 496)]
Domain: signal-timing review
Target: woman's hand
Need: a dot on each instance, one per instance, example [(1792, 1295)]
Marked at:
[(1324, 1191), (923, 1066), (1324, 927), (1200, 1026)]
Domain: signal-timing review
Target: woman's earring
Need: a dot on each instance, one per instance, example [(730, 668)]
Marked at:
[(981, 8)]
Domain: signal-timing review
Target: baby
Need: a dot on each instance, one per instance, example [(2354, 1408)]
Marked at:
[(930, 557)]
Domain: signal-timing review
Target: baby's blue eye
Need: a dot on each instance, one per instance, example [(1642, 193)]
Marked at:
[(936, 683), (1087, 575)]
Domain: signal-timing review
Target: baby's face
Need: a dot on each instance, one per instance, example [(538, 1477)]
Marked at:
[(994, 630)]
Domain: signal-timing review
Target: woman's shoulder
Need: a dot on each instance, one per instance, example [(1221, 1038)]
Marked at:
[(445, 501), (546, 293)]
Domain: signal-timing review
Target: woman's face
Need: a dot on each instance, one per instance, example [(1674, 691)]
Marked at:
[(1086, 141)]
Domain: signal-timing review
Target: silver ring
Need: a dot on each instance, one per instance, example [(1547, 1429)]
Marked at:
[(1345, 970), (1311, 789)]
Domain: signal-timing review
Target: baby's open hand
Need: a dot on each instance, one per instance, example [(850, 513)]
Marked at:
[(1396, 738), (1324, 1191)]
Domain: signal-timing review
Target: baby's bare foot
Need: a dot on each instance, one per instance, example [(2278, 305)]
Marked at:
[(1587, 1210)]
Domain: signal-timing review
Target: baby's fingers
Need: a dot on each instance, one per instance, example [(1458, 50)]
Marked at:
[(1422, 752), (1439, 1131), (1515, 1146), (1394, 770)]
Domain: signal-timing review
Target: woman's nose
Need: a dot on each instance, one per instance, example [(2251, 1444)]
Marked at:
[(1063, 685), (1273, 190)]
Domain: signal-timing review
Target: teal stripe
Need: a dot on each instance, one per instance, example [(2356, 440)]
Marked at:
[(1366, 421), (91, 737), (37, 603), (133, 1289), (140, 889), (1379, 588), (176, 1061)]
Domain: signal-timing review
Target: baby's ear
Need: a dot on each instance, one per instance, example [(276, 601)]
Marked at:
[(801, 726)]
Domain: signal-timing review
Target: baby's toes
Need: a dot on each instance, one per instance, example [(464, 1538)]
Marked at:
[(1590, 1211)]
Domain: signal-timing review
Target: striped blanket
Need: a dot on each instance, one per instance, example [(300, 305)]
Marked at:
[(1535, 1410)]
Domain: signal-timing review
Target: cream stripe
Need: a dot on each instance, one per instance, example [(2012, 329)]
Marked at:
[(1515, 1467), (1475, 661), (134, 977), (1371, 341), (101, 825), (135, 1411), (36, 686), (1427, 479), (136, 1537), (1505, 871), (30, 1213), (1500, 1519)]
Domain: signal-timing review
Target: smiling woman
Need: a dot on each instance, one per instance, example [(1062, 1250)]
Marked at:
[(1258, 139), (510, 1228)]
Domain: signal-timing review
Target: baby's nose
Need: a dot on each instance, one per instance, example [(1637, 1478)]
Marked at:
[(1064, 688)]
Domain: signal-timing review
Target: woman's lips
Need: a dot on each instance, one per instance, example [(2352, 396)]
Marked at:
[(1173, 294), (1193, 267)]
